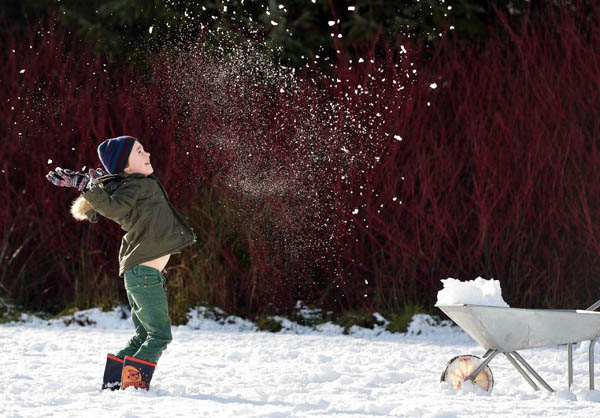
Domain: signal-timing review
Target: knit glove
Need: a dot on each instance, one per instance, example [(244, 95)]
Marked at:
[(68, 178), (94, 174)]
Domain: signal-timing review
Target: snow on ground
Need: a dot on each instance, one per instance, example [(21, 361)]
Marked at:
[(231, 370)]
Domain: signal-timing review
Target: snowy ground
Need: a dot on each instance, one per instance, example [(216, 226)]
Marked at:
[(215, 370)]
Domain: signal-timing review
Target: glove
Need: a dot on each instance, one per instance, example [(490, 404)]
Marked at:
[(69, 178), (94, 174)]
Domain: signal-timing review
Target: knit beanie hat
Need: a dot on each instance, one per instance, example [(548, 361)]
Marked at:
[(114, 153)]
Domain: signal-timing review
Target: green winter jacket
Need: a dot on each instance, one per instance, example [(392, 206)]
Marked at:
[(139, 204)]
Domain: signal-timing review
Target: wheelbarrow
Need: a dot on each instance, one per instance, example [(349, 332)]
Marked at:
[(506, 331)]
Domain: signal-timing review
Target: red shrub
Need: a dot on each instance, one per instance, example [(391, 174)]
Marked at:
[(498, 177), (495, 174)]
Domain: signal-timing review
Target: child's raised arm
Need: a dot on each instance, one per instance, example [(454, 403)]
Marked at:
[(95, 198), (114, 205)]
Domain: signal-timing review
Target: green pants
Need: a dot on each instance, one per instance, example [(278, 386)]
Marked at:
[(150, 314)]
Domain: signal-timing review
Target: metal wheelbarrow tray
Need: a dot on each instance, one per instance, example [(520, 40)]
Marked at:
[(508, 330)]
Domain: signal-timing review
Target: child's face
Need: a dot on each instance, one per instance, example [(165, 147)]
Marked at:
[(139, 161)]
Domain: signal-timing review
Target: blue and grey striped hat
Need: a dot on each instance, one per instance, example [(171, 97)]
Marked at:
[(114, 153)]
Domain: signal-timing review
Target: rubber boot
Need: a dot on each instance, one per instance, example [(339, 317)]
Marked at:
[(112, 373), (137, 373)]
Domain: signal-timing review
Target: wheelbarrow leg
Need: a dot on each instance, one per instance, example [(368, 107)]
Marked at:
[(532, 371), (591, 360), (490, 355), (520, 370), (570, 362)]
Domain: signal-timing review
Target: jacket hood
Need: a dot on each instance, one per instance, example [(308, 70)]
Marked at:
[(80, 207)]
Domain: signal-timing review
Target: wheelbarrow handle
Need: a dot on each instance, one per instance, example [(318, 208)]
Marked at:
[(594, 306)]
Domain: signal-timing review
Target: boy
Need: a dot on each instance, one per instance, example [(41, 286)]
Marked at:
[(132, 196)]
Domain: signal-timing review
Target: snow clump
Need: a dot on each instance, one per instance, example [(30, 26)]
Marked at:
[(475, 292)]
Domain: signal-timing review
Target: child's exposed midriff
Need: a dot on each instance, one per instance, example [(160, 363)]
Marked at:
[(158, 263)]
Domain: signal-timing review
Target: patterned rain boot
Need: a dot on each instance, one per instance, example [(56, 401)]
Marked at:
[(112, 373), (137, 373)]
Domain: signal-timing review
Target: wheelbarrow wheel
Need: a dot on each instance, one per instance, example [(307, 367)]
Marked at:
[(460, 367)]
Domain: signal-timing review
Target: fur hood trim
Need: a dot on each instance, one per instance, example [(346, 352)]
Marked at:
[(80, 207)]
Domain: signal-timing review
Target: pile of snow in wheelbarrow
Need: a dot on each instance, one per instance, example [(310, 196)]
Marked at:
[(226, 368), (475, 292)]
